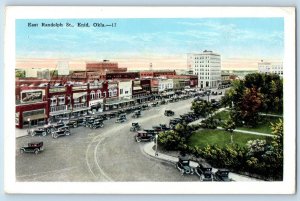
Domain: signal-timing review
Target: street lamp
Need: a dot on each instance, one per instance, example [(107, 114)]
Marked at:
[(156, 138)]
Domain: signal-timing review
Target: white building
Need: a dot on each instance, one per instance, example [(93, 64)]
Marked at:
[(125, 89), (165, 84), (270, 67), (207, 66)]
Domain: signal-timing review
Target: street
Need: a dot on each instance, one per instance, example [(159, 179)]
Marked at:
[(104, 154)]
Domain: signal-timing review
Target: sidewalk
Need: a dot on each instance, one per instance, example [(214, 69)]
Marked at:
[(148, 149), (21, 132), (249, 132)]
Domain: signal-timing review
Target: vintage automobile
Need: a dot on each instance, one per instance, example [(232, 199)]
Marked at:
[(121, 118), (164, 127), (137, 114), (155, 104), (97, 124), (183, 165), (38, 131), (163, 102), (174, 122), (89, 122), (145, 107), (112, 115), (157, 129), (220, 93), (150, 131), (61, 132), (81, 121), (144, 136), (33, 147), (72, 124), (135, 127), (204, 171), (169, 113), (222, 175)]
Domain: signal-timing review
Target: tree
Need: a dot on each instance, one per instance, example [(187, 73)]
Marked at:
[(229, 126), (202, 108), (171, 140), (20, 73)]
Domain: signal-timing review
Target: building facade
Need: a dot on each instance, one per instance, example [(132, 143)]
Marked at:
[(207, 66), (270, 68)]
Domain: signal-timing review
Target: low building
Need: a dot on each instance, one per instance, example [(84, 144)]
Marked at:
[(270, 68)]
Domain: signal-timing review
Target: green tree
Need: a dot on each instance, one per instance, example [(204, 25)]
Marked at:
[(20, 73), (202, 108), (171, 140), (229, 125)]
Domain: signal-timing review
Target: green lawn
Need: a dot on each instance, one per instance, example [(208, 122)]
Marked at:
[(263, 127), (221, 138)]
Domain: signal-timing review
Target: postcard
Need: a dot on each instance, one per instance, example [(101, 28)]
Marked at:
[(150, 100)]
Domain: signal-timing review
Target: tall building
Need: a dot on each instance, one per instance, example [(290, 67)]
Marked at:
[(207, 66), (270, 67)]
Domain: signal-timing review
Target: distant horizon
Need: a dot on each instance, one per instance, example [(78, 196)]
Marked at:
[(137, 42)]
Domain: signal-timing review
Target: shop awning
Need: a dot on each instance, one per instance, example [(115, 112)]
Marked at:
[(78, 95), (60, 112), (35, 117)]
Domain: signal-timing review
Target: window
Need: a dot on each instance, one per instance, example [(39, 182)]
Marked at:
[(53, 101), (61, 100), (121, 91), (98, 95), (92, 95)]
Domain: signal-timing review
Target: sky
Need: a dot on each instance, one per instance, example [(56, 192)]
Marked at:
[(134, 43)]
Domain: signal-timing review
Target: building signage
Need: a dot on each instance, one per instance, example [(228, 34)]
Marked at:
[(79, 88), (31, 96), (111, 86)]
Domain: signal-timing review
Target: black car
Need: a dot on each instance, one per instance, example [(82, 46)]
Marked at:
[(135, 127), (81, 121), (157, 129), (163, 102), (61, 132), (38, 131), (112, 115), (97, 124), (169, 113), (144, 136), (155, 104), (164, 127), (137, 114), (204, 171), (89, 122), (222, 175), (72, 124), (145, 107), (183, 165), (121, 118), (150, 131), (33, 147)]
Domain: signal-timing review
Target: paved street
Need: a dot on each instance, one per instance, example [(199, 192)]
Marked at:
[(107, 154)]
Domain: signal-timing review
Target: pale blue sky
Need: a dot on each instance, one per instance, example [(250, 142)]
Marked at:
[(243, 38)]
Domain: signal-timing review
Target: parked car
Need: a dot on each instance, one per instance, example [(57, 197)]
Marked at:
[(163, 102), (157, 129), (61, 132), (220, 93), (136, 114), (183, 165), (97, 124), (164, 127), (121, 118), (145, 107), (155, 104), (204, 171), (135, 127), (38, 131), (169, 113), (33, 147), (222, 175), (144, 136), (81, 121), (71, 124), (173, 123), (112, 115), (150, 131)]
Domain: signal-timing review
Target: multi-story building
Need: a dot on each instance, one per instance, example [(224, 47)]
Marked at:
[(270, 67), (104, 66), (207, 66)]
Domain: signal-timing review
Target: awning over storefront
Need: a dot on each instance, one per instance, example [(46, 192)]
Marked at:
[(60, 112), (118, 102), (78, 95), (81, 109), (35, 117)]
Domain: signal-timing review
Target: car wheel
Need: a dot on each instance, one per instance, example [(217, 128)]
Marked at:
[(33, 133), (67, 133), (36, 151), (75, 125), (55, 136), (22, 151), (101, 125), (48, 130), (44, 134)]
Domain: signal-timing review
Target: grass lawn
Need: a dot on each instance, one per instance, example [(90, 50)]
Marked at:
[(263, 127), (221, 138)]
